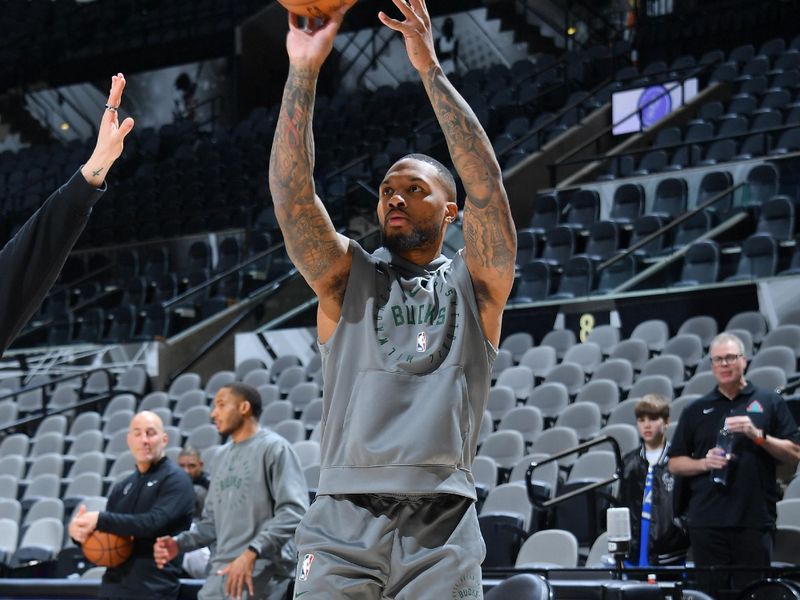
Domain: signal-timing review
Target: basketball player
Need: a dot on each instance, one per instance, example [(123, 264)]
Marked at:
[(407, 338), (32, 259), (157, 499), (258, 495)]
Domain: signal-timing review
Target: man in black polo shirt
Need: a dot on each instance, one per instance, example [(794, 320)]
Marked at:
[(732, 524)]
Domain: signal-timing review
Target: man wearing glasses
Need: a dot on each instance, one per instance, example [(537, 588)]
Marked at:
[(732, 523)]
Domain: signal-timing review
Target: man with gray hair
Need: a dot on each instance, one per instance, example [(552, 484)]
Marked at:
[(731, 523)]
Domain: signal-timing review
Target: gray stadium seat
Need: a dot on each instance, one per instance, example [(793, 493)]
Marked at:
[(587, 354), (582, 417), (194, 418), (688, 347), (216, 381), (560, 339), (290, 377), (528, 420), (505, 447), (654, 332), (568, 374), (501, 400), (557, 439), (783, 335), (121, 402), (775, 356), (604, 393), (539, 359), (550, 399), (246, 366), (133, 381), (627, 437), (771, 378), (187, 401), (16, 443), (41, 541), (700, 383), (182, 384), (257, 377), (668, 365), (551, 548), (634, 351), (618, 370), (652, 384), (517, 343), (312, 414), (752, 321), (302, 394), (509, 498), (291, 429), (203, 436), (277, 411), (519, 379)]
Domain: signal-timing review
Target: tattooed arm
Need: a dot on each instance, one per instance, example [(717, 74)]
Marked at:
[(489, 234), (316, 249)]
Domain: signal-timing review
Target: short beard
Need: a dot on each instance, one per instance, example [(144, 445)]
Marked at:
[(419, 237)]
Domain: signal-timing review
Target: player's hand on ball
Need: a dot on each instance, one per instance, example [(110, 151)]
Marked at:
[(164, 550), (240, 573), (79, 528)]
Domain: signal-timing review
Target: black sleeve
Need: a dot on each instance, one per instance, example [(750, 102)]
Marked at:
[(32, 259), (782, 423), (680, 445), (175, 500)]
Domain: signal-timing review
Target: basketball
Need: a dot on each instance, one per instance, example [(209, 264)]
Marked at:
[(312, 8), (107, 549)]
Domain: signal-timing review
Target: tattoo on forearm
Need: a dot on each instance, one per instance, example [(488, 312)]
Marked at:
[(292, 159), (488, 228), (306, 229), (96, 172)]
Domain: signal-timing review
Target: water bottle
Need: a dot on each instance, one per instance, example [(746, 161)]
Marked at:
[(725, 442)]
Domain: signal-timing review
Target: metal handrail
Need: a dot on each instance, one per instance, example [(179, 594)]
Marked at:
[(220, 276), (617, 475), (84, 376)]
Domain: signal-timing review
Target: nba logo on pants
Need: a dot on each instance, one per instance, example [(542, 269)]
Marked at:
[(305, 567)]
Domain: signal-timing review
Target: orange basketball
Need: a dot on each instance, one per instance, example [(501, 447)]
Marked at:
[(312, 8), (107, 549)]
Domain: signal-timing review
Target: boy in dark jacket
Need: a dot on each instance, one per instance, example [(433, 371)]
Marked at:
[(647, 488)]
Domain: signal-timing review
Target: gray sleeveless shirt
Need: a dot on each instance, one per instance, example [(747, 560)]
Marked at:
[(406, 380)]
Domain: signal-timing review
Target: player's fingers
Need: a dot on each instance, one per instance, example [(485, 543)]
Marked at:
[(249, 581), (392, 23), (237, 587)]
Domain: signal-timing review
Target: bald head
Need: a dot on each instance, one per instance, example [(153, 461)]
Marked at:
[(146, 439)]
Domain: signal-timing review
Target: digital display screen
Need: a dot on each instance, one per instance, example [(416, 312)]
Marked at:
[(639, 108)]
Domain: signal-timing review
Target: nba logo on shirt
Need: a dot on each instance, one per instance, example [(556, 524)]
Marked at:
[(306, 567), (422, 341)]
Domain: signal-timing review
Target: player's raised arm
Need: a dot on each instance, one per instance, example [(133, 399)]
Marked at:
[(318, 252), (489, 234)]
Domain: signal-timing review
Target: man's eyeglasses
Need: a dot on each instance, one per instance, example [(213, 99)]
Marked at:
[(725, 360)]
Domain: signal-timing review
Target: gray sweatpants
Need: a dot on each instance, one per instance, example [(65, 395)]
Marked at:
[(370, 547)]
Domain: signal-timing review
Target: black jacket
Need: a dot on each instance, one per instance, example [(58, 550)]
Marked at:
[(667, 537), (146, 506), (32, 259)]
